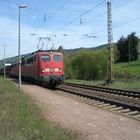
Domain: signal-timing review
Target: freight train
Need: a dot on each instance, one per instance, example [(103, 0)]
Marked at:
[(42, 67)]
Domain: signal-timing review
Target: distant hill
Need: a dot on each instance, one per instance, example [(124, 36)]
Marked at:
[(77, 50)]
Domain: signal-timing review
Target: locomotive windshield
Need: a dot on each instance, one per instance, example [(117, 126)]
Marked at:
[(57, 58), (45, 57)]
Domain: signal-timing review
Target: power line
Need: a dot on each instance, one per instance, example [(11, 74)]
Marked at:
[(118, 8), (104, 13), (125, 3), (135, 19), (114, 27), (58, 9), (121, 24), (84, 13)]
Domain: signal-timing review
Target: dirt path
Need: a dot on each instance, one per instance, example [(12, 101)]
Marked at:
[(94, 123)]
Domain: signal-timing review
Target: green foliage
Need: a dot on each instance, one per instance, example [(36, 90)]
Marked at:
[(123, 46), (68, 67), (128, 71), (60, 49), (116, 53), (86, 65)]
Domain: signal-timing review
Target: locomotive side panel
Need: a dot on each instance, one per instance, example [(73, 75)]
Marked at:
[(14, 70)]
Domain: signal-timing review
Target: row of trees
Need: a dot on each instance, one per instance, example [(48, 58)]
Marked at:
[(128, 48)]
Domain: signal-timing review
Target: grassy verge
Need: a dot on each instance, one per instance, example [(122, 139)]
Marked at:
[(128, 71), (128, 85), (20, 118)]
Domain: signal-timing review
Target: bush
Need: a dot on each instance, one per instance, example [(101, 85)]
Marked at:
[(86, 65)]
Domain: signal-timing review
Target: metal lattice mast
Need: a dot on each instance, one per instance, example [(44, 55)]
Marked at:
[(110, 45)]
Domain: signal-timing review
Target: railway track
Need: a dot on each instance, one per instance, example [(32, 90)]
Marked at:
[(126, 93), (121, 101)]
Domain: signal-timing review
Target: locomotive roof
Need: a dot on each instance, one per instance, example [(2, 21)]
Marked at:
[(31, 54), (15, 60)]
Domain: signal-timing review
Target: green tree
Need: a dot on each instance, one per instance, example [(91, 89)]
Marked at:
[(68, 67), (60, 49), (133, 41), (123, 45), (89, 65)]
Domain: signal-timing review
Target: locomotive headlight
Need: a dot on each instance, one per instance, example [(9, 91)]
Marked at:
[(60, 70), (56, 69), (47, 69), (43, 70)]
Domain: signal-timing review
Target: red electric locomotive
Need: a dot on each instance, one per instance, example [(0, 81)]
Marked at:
[(44, 67)]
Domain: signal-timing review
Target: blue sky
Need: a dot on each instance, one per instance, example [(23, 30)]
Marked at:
[(47, 18)]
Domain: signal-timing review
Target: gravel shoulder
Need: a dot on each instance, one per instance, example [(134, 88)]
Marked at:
[(91, 122)]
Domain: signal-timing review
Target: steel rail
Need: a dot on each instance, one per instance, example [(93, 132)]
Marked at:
[(128, 93)]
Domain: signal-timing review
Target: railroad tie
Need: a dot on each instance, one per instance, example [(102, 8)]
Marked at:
[(124, 110), (137, 116), (132, 113), (111, 106), (117, 108)]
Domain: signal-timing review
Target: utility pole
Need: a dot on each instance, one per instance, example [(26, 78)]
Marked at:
[(4, 62), (129, 48), (110, 45), (19, 55)]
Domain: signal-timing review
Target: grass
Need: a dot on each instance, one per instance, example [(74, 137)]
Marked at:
[(20, 118), (119, 84), (86, 82), (128, 85), (128, 71)]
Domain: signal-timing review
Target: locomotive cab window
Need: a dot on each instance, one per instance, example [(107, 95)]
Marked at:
[(23, 62), (57, 58), (30, 60), (45, 58)]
